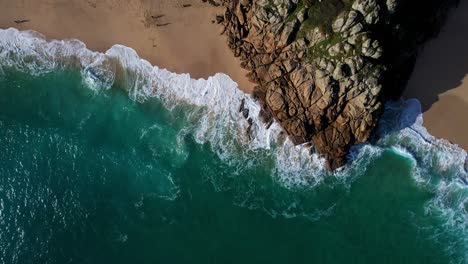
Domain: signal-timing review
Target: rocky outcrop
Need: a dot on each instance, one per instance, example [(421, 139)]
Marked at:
[(324, 68)]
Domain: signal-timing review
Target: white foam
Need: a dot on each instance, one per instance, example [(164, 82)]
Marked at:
[(215, 119), (404, 153), (218, 120), (218, 98), (440, 165)]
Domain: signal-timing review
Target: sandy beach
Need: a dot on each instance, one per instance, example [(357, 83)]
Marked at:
[(172, 34), (440, 80), (181, 37)]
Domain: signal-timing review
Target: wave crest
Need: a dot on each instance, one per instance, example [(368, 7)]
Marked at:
[(242, 139)]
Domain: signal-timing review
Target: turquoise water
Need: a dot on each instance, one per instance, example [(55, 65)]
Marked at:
[(92, 171)]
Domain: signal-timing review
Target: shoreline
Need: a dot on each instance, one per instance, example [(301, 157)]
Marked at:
[(440, 80), (167, 34), (185, 40)]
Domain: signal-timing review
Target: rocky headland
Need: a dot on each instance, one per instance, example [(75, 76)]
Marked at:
[(324, 68)]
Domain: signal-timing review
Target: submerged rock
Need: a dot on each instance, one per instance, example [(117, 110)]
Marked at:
[(324, 69)]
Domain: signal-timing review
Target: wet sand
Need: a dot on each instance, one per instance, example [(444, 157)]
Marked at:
[(164, 32), (440, 80)]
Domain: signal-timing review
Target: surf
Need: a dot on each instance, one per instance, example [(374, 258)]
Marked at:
[(211, 112)]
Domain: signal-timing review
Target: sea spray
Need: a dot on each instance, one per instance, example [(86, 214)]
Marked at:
[(220, 122), (214, 119), (439, 166)]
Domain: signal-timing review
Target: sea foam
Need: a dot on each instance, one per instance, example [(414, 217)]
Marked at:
[(242, 141), (221, 123)]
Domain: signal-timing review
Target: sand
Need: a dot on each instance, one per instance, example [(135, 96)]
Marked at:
[(186, 40), (440, 80)]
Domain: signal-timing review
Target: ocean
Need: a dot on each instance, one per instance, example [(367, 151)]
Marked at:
[(107, 159)]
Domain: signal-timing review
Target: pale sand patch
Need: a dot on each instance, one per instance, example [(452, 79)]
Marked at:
[(440, 80), (189, 43)]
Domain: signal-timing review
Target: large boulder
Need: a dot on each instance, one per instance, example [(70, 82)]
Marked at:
[(324, 68)]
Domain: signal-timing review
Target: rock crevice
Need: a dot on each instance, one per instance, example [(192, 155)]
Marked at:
[(324, 68)]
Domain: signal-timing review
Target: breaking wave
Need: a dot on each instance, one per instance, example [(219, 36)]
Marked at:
[(240, 138), (217, 121)]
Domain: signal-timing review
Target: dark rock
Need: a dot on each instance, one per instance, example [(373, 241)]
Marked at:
[(466, 164), (219, 19), (324, 68)]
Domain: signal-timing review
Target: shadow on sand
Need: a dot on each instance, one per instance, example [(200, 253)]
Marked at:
[(443, 63)]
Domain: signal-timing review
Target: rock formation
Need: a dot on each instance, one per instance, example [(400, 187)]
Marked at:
[(324, 68)]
